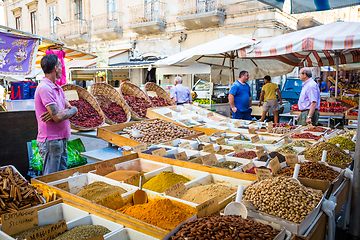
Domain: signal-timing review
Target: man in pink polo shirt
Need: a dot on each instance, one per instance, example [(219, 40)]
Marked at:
[(52, 113)]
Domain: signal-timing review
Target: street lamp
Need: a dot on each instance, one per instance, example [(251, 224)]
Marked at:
[(58, 19)]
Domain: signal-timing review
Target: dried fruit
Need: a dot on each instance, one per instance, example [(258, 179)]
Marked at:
[(87, 116), (138, 105), (159, 101)]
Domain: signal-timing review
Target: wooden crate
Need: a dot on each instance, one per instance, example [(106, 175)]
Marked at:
[(109, 134), (329, 114), (351, 117)]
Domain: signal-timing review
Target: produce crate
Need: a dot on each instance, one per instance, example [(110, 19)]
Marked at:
[(109, 134), (351, 117), (330, 114)]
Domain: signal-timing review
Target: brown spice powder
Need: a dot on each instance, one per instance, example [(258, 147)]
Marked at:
[(203, 193), (98, 190)]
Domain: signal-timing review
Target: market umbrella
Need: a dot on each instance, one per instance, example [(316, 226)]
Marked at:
[(325, 45), (227, 52)]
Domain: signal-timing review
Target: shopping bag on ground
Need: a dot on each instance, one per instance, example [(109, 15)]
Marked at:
[(36, 162), (74, 148)]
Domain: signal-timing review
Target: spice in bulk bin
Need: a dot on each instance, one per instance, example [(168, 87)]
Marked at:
[(284, 124), (224, 151), (149, 151), (246, 155), (98, 190), (228, 165), (203, 193), (300, 143), (286, 149), (345, 143), (252, 170), (306, 136), (281, 157), (121, 175), (163, 181), (22, 235), (138, 104), (312, 170), (283, 197), (245, 145), (111, 110), (316, 129), (335, 154), (225, 227), (83, 232), (159, 131), (159, 101), (265, 142), (349, 134), (163, 213), (280, 130), (16, 193), (87, 116)]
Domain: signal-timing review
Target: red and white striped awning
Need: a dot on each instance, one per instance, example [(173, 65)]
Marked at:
[(315, 46)]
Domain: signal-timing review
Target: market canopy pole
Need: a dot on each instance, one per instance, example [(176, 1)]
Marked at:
[(354, 229), (337, 54)]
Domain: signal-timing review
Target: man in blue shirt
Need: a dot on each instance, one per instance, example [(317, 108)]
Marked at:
[(323, 86), (179, 93), (240, 98)]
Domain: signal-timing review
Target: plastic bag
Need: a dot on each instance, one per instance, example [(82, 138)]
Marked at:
[(36, 161), (74, 148)]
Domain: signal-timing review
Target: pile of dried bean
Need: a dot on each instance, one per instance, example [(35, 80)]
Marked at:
[(224, 227), (306, 136), (283, 197), (87, 116), (246, 155), (159, 131), (312, 170), (335, 154)]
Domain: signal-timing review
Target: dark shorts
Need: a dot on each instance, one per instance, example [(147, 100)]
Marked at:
[(246, 115)]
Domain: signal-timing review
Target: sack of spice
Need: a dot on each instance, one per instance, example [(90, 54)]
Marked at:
[(345, 143), (335, 154)]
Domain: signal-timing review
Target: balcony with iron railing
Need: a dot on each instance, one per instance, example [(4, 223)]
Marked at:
[(107, 25), (148, 18), (74, 32), (201, 13)]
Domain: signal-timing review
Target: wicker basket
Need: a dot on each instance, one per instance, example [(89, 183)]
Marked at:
[(152, 87), (108, 91), (133, 90), (82, 93)]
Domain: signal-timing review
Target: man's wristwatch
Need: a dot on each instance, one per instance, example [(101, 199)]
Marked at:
[(309, 116)]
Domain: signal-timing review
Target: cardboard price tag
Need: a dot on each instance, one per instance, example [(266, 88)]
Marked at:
[(239, 148), (208, 207), (252, 130), (187, 106), (159, 152), (248, 166), (105, 168), (98, 237), (270, 126), (218, 133), (195, 118), (259, 154), (71, 95), (174, 108), (275, 165), (134, 180), (63, 186), (291, 159), (13, 223), (221, 141), (209, 148), (204, 138), (169, 114), (140, 148), (185, 145), (210, 114), (227, 120), (49, 232), (260, 148), (181, 156), (262, 174), (237, 124), (168, 143), (184, 121), (310, 125), (286, 140), (255, 139), (113, 201), (223, 124), (184, 111), (177, 190), (209, 159)]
